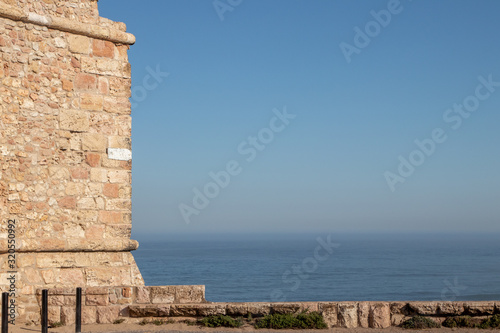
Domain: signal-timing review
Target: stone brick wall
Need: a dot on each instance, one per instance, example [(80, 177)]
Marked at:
[(104, 305), (134, 304), (336, 314), (64, 105)]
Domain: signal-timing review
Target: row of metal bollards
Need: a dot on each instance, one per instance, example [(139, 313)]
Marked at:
[(45, 311)]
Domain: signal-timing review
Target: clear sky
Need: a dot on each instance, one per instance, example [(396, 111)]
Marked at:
[(306, 112)]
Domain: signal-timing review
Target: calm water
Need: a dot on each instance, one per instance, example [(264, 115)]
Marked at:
[(362, 267)]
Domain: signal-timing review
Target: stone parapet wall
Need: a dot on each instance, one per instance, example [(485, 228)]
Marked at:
[(79, 10), (103, 305), (134, 304), (76, 16), (336, 314)]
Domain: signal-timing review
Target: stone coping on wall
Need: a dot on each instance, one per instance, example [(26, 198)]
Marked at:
[(64, 24), (106, 304)]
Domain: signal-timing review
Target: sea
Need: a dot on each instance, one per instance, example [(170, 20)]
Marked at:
[(326, 267)]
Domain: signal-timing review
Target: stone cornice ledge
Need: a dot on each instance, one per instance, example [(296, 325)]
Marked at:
[(64, 24), (51, 245)]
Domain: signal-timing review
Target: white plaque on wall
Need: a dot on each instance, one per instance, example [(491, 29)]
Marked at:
[(119, 154)]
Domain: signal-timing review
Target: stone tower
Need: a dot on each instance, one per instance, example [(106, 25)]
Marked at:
[(65, 150)]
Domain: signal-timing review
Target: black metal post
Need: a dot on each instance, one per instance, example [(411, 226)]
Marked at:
[(78, 324), (45, 311), (5, 312)]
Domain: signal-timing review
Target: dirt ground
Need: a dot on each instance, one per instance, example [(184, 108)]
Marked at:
[(184, 328)]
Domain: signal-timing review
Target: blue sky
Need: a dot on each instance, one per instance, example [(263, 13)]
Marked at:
[(327, 169)]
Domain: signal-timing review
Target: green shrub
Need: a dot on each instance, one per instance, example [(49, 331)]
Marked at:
[(190, 322), (419, 322), (56, 324), (119, 321), (220, 321), (302, 320), (157, 322), (491, 322), (461, 321), (144, 322)]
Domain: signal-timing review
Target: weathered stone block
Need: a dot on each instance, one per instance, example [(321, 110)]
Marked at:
[(99, 175), (348, 314), (330, 313), (94, 142), (399, 308), (79, 173), (70, 300), (85, 82), (285, 308), (237, 309), (68, 315), (119, 176), (380, 315), (67, 203), (56, 300), (74, 120), (180, 310), (259, 309), (110, 190), (451, 308), (423, 308), (127, 292), (204, 310), (93, 159), (479, 308), (142, 295), (95, 232), (103, 86), (110, 217), (397, 319), (72, 277), (117, 104), (190, 294), (364, 314), (162, 295), (50, 276), (103, 48), (67, 85), (96, 300), (107, 314), (73, 189), (163, 310), (118, 230), (119, 204), (109, 67), (54, 314), (89, 315), (140, 311), (91, 102), (79, 44)]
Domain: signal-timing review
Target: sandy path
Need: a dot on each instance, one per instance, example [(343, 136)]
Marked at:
[(184, 328)]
